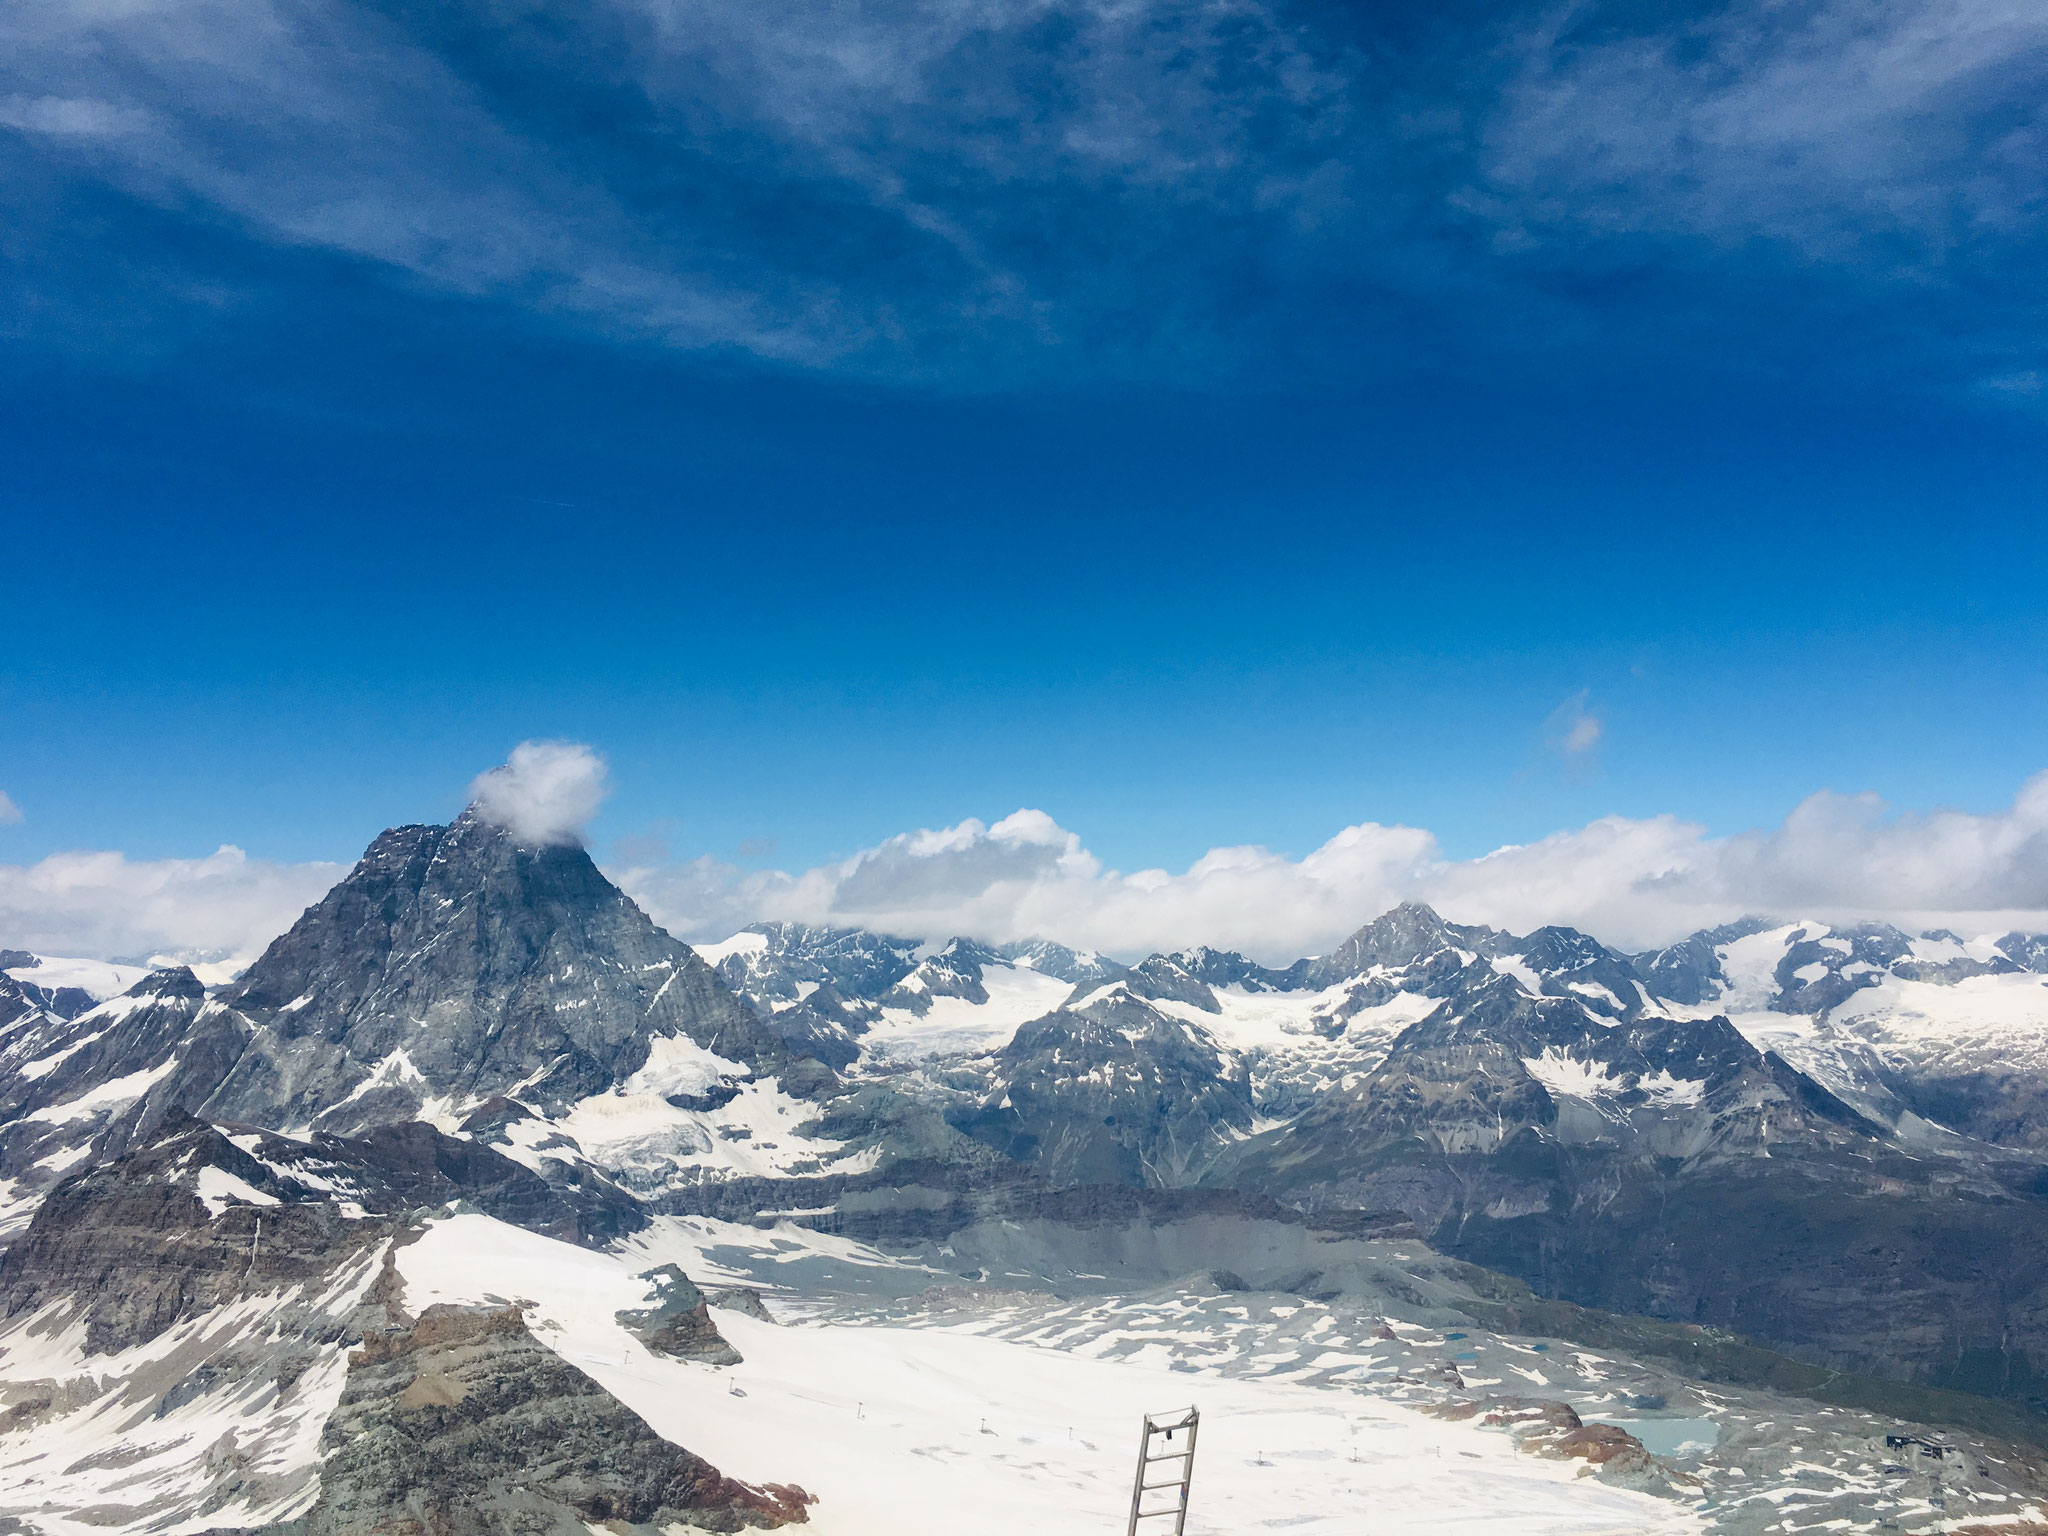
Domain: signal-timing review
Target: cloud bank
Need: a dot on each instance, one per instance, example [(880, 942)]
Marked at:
[(105, 906), (546, 792), (1633, 883)]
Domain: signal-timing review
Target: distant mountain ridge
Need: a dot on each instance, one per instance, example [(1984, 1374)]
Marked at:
[(1650, 1133)]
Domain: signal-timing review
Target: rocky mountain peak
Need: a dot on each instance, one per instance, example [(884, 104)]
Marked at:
[(1056, 960), (17, 1004), (1400, 937), (774, 963), (454, 963), (173, 982)]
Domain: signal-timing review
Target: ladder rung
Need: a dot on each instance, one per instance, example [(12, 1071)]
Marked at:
[(1170, 1456), (1148, 1487), (1147, 1514)]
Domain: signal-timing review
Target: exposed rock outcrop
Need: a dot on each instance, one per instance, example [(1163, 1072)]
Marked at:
[(745, 1300), (679, 1324), (198, 1216), (135, 1246), (1543, 1427), (463, 1424)]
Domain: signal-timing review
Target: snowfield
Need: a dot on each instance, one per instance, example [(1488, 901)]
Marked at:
[(954, 1026), (902, 1431)]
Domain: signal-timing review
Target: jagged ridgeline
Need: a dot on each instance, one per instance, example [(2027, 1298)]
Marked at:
[(1829, 1141)]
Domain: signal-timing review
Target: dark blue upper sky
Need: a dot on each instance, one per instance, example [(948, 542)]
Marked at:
[(1210, 423)]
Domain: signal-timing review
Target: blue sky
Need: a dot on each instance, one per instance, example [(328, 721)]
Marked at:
[(1209, 424)]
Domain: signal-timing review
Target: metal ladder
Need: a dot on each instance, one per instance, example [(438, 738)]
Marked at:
[(1164, 1426)]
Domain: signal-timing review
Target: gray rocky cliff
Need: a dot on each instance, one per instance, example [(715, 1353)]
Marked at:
[(463, 1424), (1114, 1092), (455, 963), (679, 1324), (83, 1090)]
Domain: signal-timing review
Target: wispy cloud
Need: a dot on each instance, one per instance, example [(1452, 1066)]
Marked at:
[(10, 813), (888, 183), (1901, 132), (1573, 729), (970, 189)]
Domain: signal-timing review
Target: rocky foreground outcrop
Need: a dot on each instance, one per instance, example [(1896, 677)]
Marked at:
[(240, 1306), (135, 1247), (464, 1423), (1551, 1429)]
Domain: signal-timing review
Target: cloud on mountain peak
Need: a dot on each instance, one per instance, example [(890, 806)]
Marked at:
[(545, 793)]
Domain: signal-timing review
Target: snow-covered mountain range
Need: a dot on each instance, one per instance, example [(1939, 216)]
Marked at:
[(1832, 1142)]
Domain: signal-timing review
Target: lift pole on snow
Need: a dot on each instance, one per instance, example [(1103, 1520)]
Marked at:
[(1161, 1430)]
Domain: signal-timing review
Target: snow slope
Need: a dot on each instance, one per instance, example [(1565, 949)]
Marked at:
[(100, 978), (955, 1026), (213, 1424), (906, 1431)]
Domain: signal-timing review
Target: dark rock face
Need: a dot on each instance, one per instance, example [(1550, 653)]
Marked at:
[(1119, 1093), (393, 1169), (2026, 951), (861, 967), (852, 961), (87, 1088), (1058, 961), (463, 1424), (1572, 964), (1396, 939), (745, 1300), (1227, 968), (20, 995), (17, 1006), (1870, 952), (679, 1324), (824, 1026), (1163, 978), (460, 1422), (134, 1245), (1668, 1168), (139, 1245), (954, 971), (455, 963), (1690, 971)]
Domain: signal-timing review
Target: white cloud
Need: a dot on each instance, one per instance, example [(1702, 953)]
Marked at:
[(546, 792), (10, 813), (1635, 883), (105, 904)]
